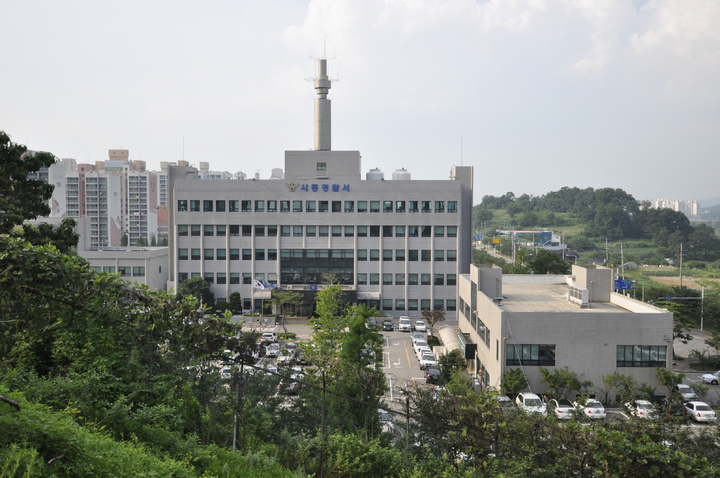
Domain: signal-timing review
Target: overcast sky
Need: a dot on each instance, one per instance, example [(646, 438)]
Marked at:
[(536, 94)]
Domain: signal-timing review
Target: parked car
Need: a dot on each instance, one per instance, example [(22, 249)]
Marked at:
[(301, 358), (427, 361), (686, 393), (591, 409), (286, 356), (711, 378), (273, 350), (505, 403), (386, 421), (700, 412), (531, 403), (420, 326), (418, 344), (563, 408), (290, 386), (388, 325), (422, 351), (418, 336), (641, 409), (269, 337), (404, 324), (432, 375)]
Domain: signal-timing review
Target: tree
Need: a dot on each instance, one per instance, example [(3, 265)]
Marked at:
[(153, 241), (282, 300), (432, 317), (546, 262), (669, 379), (451, 362), (235, 305), (563, 381), (198, 288), (141, 241), (514, 381), (124, 239), (22, 198)]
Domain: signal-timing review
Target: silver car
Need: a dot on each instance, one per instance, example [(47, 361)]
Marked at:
[(700, 412), (711, 378)]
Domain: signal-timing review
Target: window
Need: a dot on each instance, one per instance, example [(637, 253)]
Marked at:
[(399, 304), (234, 229), (413, 231), (362, 278), (439, 255), (209, 277), (183, 229), (272, 231), (336, 206), (452, 231), (412, 279), (208, 254), (426, 255), (387, 206), (387, 304), (439, 279), (349, 231), (285, 231), (310, 231), (259, 254), (400, 255), (220, 231), (246, 206), (438, 304), (323, 231), (220, 207), (439, 206), (259, 231), (387, 279), (349, 206), (413, 206), (234, 277), (124, 270), (451, 307), (111, 269), (336, 231), (247, 278), (221, 278), (297, 231), (451, 279), (208, 230), (182, 255), (641, 355), (362, 254), (362, 231), (374, 206), (195, 230), (425, 206), (399, 231), (424, 279), (439, 231), (424, 304), (321, 166), (413, 255), (452, 255), (182, 205), (272, 255), (374, 254), (247, 230), (399, 279), (452, 206), (233, 206), (194, 205), (272, 206), (322, 206), (399, 206), (374, 279), (310, 206), (362, 206), (387, 254), (412, 304), (526, 354), (221, 254), (374, 231), (234, 254), (138, 272), (195, 254), (426, 231), (247, 254), (284, 206), (297, 206), (387, 231)]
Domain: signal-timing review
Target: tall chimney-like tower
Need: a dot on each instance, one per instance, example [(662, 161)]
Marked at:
[(322, 108)]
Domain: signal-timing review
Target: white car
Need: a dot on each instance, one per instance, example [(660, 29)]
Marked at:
[(422, 351), (531, 403), (711, 378), (591, 409), (686, 393), (700, 412), (404, 324), (563, 408), (420, 326), (427, 360), (641, 409), (269, 337), (418, 344), (273, 350)]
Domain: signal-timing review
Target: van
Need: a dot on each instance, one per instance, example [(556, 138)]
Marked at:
[(404, 324)]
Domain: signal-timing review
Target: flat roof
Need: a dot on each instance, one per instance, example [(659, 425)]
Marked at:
[(548, 298)]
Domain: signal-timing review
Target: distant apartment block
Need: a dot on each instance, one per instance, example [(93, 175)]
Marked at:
[(689, 208)]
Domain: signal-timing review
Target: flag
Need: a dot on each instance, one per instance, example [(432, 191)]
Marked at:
[(259, 285), (268, 286)]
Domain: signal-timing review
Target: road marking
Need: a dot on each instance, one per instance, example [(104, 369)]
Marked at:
[(399, 363), (408, 356)]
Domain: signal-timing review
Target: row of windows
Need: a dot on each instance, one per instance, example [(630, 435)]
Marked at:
[(412, 279), (530, 354), (641, 355), (221, 205), (248, 230), (122, 270), (398, 255), (412, 304)]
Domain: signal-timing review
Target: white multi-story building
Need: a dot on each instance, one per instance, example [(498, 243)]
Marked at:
[(689, 207), (397, 244)]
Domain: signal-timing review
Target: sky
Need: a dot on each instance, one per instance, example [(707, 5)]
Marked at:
[(535, 94)]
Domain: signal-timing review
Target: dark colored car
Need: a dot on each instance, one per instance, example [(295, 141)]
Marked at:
[(388, 325), (432, 375)]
